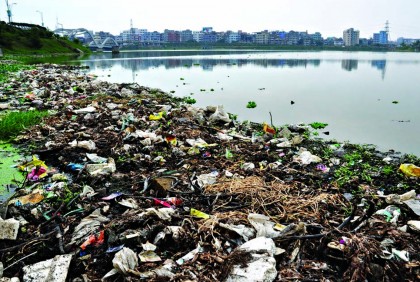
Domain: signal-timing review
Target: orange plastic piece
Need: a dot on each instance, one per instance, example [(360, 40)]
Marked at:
[(268, 129)]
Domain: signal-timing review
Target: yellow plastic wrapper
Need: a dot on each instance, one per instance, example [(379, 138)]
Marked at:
[(159, 116), (34, 163), (199, 214), (410, 170), (279, 227)]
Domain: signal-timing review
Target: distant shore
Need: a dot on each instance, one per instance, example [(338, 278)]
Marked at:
[(211, 46)]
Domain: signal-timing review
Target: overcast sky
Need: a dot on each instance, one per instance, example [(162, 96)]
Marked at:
[(330, 17)]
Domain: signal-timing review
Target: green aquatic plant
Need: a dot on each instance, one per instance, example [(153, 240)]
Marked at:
[(318, 125), (344, 175), (352, 158), (251, 105), (388, 170), (233, 116), (190, 100), (9, 155)]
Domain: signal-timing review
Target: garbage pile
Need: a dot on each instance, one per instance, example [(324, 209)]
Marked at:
[(127, 183)]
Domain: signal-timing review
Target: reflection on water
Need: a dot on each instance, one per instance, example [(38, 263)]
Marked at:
[(351, 91), (349, 65), (151, 61), (380, 65), (205, 64), (41, 59)]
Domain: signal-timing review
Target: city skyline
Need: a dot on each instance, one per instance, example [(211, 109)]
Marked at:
[(330, 17)]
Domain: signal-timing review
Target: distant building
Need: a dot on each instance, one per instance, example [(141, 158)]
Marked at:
[(316, 38), (246, 37), (210, 37), (406, 41), (275, 38), (339, 42), (186, 35), (292, 38), (207, 29), (265, 37), (282, 35), (262, 37), (97, 39), (380, 38), (155, 37), (119, 39), (131, 35), (102, 35), (231, 37), (333, 41), (220, 36), (197, 36), (329, 41), (351, 37), (151, 38), (171, 36), (363, 42), (142, 33)]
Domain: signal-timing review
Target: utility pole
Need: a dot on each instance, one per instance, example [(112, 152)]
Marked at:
[(42, 17), (131, 32), (9, 11), (387, 30)]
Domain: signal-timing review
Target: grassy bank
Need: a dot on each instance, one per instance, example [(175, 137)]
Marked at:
[(29, 39), (7, 68), (12, 123)]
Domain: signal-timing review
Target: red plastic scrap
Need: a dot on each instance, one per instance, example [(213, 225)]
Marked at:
[(163, 203), (174, 201), (169, 202), (94, 240)]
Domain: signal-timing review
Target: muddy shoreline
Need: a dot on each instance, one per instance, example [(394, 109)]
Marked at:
[(182, 193)]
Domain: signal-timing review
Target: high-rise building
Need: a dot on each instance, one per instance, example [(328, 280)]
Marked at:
[(380, 38), (351, 37)]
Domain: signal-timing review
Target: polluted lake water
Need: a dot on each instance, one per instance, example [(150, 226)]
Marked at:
[(10, 177)]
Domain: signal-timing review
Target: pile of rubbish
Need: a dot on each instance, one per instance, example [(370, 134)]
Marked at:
[(127, 183)]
